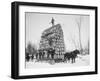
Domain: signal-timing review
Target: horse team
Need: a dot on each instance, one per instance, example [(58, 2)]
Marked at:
[(48, 54), (71, 56)]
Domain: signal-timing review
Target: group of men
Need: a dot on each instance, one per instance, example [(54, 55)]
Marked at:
[(45, 54), (48, 54)]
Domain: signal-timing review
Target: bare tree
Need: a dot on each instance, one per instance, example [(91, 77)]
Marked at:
[(88, 47), (74, 41), (29, 48), (79, 22)]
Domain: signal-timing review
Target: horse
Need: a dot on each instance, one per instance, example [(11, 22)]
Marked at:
[(74, 55), (71, 56)]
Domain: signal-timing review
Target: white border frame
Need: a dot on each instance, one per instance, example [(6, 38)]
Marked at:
[(23, 71)]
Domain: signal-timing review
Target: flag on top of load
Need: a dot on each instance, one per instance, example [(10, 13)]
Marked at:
[(53, 38)]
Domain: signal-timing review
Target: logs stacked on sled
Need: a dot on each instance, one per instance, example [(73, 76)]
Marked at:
[(53, 38)]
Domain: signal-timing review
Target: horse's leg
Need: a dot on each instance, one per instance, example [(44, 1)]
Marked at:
[(64, 58), (68, 59), (47, 56), (73, 60)]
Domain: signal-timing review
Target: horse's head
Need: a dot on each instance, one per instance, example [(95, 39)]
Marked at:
[(76, 51)]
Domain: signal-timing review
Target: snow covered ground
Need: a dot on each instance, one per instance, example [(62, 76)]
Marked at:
[(82, 60)]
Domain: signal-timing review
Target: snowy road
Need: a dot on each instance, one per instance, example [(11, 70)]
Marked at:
[(80, 61)]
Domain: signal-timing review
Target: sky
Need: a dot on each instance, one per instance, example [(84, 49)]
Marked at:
[(36, 23)]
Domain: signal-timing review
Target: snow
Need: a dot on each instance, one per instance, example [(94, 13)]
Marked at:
[(81, 60)]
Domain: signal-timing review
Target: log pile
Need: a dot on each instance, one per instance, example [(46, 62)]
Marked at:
[(53, 38)]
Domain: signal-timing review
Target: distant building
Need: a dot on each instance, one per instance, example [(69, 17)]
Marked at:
[(53, 38)]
